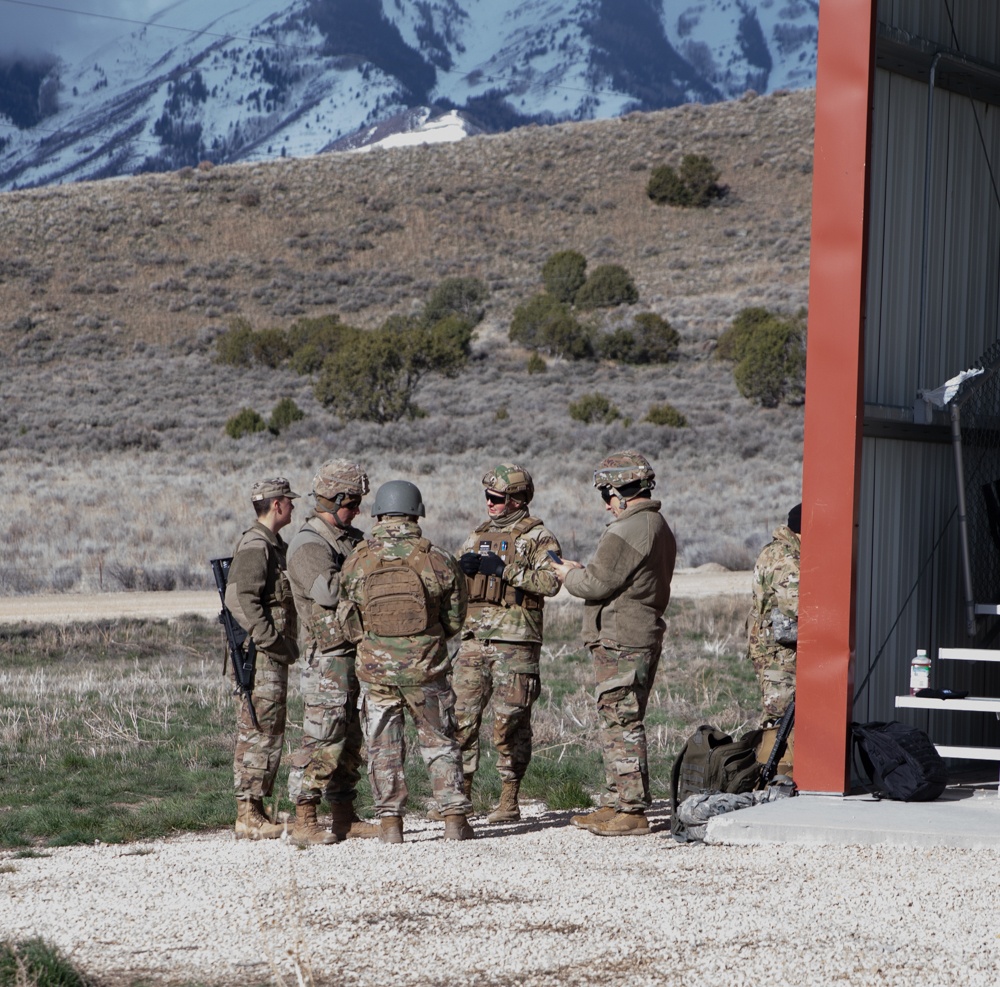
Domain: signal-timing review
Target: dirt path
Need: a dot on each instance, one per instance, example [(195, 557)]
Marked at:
[(695, 584)]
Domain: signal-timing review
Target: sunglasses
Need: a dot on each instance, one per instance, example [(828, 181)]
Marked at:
[(495, 498), (352, 504)]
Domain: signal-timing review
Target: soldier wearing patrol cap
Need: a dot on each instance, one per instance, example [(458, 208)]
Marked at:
[(328, 760), (626, 588), (509, 574), (259, 597)]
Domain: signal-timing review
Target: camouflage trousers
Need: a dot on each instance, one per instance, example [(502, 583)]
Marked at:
[(328, 760), (624, 678), (490, 668), (258, 752), (775, 668), (432, 707)]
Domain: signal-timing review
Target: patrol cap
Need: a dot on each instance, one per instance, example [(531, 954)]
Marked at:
[(277, 486)]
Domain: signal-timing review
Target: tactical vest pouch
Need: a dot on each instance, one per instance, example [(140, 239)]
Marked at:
[(396, 601)]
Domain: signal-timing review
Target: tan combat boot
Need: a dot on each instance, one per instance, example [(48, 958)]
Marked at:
[(347, 825), (391, 829), (587, 819), (622, 824), (307, 828), (508, 809), (252, 822), (456, 827)]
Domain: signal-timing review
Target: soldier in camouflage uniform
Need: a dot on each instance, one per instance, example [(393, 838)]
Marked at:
[(509, 575), (773, 622), (401, 599), (260, 599), (626, 587), (329, 757)]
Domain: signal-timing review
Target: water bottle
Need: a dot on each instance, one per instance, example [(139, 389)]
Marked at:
[(920, 672)]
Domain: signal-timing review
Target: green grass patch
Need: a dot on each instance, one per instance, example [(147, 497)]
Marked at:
[(124, 731), (35, 963)]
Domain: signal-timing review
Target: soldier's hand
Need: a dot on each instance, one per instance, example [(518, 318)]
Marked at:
[(286, 651), (491, 565), (469, 563)]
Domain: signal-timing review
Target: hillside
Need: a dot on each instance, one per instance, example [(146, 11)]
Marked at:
[(116, 467)]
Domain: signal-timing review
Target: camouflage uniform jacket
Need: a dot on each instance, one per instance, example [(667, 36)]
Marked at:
[(315, 556), (419, 658), (626, 586), (530, 571), (772, 626), (258, 593)]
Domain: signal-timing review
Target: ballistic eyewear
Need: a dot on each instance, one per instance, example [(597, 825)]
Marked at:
[(495, 498)]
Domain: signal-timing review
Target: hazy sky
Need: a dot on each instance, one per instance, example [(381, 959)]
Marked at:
[(28, 27)]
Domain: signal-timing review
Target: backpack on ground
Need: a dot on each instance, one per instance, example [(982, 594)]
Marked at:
[(711, 761), (900, 761)]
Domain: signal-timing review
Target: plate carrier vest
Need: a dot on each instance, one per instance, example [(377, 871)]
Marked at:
[(489, 590)]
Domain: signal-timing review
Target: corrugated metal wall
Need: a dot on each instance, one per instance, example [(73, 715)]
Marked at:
[(909, 591)]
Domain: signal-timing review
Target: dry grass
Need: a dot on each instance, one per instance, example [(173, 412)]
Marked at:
[(116, 471)]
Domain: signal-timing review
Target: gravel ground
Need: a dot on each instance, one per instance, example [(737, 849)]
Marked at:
[(533, 903)]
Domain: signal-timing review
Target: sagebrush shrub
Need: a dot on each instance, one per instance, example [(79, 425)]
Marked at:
[(375, 378), (607, 286), (536, 365), (694, 184), (270, 347), (665, 414), (733, 341), (311, 341), (651, 339), (769, 355), (245, 422), (235, 346), (463, 297), (545, 323), (286, 412), (593, 408), (563, 274)]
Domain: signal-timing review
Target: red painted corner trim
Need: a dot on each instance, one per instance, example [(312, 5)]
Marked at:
[(834, 395)]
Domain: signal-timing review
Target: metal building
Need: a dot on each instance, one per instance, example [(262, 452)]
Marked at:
[(904, 295)]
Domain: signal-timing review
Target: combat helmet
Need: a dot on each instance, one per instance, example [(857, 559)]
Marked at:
[(338, 478), (399, 497), (507, 478), (625, 469)]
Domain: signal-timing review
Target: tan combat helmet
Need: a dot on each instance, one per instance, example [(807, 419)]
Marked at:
[(337, 479), (623, 469), (507, 478)]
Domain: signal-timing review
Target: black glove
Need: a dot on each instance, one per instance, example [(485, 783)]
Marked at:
[(491, 565), (469, 563)]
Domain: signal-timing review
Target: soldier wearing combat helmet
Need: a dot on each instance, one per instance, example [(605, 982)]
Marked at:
[(327, 763), (402, 599), (509, 575), (626, 588)]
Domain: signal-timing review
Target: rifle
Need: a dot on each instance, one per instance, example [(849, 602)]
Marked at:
[(242, 653), (785, 725)]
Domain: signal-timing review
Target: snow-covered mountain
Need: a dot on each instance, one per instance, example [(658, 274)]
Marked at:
[(240, 80)]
